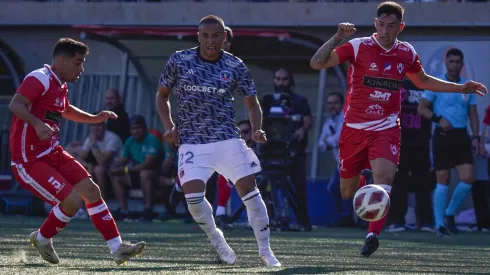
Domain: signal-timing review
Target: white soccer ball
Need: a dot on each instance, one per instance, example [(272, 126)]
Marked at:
[(371, 203)]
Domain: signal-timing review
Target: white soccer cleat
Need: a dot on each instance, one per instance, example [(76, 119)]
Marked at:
[(47, 251), (225, 252), (270, 260), (127, 251)]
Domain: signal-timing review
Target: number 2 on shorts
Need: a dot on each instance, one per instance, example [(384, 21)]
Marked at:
[(188, 160)]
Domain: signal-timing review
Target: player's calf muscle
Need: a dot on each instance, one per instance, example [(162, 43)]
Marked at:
[(72, 203), (348, 187)]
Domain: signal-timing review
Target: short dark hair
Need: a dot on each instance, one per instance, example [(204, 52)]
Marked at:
[(137, 119), (229, 34), (391, 8), (212, 19), (70, 47), (290, 75), (456, 52), (339, 95), (246, 121)]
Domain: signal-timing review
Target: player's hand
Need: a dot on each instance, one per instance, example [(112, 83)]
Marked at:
[(345, 30), (44, 131), (299, 134), (445, 124), (473, 87), (259, 136), (476, 144), (104, 115), (172, 136)]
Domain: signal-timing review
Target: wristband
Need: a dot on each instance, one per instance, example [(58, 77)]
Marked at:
[(126, 170), (436, 118)]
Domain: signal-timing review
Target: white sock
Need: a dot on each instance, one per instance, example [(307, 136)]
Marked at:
[(258, 219), (114, 243), (43, 240), (220, 210), (202, 212)]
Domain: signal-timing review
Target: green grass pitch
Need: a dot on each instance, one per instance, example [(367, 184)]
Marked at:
[(175, 248)]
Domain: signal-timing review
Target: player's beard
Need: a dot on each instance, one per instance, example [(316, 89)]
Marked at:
[(282, 89)]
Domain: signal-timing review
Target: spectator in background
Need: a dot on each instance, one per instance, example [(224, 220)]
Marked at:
[(119, 126), (451, 144), (99, 152), (329, 140), (414, 170), (301, 115), (485, 140), (229, 37), (143, 150)]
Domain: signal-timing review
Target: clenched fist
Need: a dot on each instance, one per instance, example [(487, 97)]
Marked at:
[(345, 30)]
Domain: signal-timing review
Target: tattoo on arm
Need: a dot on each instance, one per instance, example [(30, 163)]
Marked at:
[(321, 56)]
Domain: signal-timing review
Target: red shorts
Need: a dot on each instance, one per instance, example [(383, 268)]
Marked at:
[(52, 177), (358, 147)]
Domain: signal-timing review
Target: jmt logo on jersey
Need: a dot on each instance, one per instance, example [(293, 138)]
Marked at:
[(382, 83), (380, 96)]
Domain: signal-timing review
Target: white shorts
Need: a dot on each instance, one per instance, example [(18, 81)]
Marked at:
[(230, 158)]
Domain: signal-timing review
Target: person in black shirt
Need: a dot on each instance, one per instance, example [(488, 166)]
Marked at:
[(414, 171), (120, 126), (300, 113)]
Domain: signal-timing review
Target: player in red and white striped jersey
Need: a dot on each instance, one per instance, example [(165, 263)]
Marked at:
[(371, 130), (40, 164)]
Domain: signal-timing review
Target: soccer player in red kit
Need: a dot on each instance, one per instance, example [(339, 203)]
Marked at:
[(41, 165), (371, 129)]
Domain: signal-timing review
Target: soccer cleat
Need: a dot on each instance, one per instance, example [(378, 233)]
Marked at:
[(47, 251), (368, 174), (222, 222), (442, 232), (270, 260), (225, 252), (451, 225), (370, 246), (395, 228), (127, 251)]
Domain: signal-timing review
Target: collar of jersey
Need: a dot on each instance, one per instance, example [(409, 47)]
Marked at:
[(51, 71), (198, 53), (373, 37)]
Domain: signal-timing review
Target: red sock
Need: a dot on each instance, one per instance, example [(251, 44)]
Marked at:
[(56, 221), (377, 226), (362, 181), (102, 220), (224, 191)]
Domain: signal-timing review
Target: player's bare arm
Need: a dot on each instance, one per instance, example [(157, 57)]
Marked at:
[(19, 107), (255, 117), (326, 56), (75, 114), (428, 82), (164, 111)]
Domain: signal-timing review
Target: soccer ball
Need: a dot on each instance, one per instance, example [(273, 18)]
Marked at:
[(371, 203)]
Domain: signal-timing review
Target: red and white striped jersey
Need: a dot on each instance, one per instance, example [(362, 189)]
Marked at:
[(49, 100), (375, 76)]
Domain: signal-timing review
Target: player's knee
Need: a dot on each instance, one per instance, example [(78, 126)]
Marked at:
[(89, 191), (384, 177), (245, 185), (72, 203), (347, 192)]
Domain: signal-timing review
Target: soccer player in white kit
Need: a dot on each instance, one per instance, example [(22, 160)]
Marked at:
[(204, 79)]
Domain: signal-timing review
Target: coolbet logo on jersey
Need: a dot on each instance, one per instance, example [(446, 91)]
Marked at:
[(382, 83), (377, 95), (204, 89)]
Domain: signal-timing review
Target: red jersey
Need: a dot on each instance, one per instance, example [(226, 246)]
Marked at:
[(375, 77), (49, 100)]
